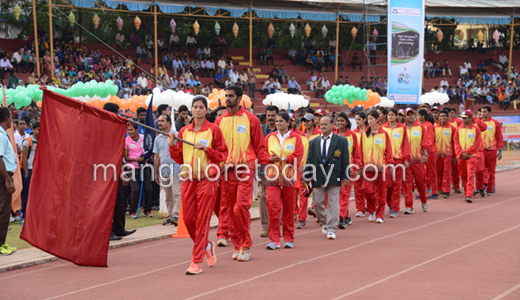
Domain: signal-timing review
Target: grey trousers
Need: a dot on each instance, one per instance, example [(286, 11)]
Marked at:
[(172, 190), (327, 216)]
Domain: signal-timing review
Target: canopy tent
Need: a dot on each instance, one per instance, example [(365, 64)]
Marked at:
[(497, 12)]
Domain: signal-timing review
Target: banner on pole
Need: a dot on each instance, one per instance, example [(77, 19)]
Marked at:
[(406, 42), (510, 127)]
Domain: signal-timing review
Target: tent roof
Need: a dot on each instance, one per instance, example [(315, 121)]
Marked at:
[(492, 12)]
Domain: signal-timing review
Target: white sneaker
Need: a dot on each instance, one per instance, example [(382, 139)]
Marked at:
[(331, 236), (11, 219), (379, 220), (408, 211), (324, 230), (424, 207), (17, 218), (372, 217), (360, 214)]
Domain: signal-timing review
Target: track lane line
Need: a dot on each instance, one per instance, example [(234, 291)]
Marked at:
[(516, 287)]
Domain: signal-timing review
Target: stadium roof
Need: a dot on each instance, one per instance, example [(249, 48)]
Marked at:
[(491, 12)]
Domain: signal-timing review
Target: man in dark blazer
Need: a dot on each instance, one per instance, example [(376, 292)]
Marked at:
[(327, 161)]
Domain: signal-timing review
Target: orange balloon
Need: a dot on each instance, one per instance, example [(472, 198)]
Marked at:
[(135, 101), (39, 104), (125, 104), (247, 101), (133, 108), (141, 104), (213, 104)]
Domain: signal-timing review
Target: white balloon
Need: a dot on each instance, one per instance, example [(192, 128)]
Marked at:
[(385, 102)]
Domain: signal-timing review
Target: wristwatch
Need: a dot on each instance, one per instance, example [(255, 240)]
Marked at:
[(284, 159)]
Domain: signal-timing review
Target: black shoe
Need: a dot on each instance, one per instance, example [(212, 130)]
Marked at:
[(128, 232), (457, 191), (114, 237), (310, 212), (348, 221), (341, 224), (167, 222), (482, 193), (469, 200), (175, 221), (155, 207)]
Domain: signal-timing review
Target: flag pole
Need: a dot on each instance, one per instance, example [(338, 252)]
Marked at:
[(159, 131)]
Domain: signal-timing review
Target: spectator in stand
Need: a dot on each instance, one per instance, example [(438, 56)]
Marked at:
[(271, 44), (503, 60), (204, 71), (428, 68), (309, 43), (5, 66), (293, 87), (504, 100), (436, 68), (293, 55), (332, 43), (17, 60), (277, 87), (262, 56), (191, 41), (195, 66), (464, 73), (362, 83), (207, 52), (268, 86), (211, 68), (161, 46), (373, 52), (468, 66), (496, 77), (177, 65), (318, 88), (275, 73), (309, 63), (222, 44), (200, 53), (340, 81), (495, 62), (471, 46), (356, 62), (120, 41), (219, 79), (135, 40), (233, 76), (444, 83), (269, 57), (229, 66), (252, 83), (14, 80), (243, 79), (174, 83), (175, 41), (449, 92), (141, 52), (325, 84), (320, 62), (446, 68)]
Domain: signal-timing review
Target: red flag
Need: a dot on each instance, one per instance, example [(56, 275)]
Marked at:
[(69, 214)]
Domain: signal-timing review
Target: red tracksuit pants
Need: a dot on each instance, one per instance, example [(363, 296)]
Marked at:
[(467, 169), (278, 198), (491, 164), (455, 176), (301, 205), (197, 203), (415, 172), (344, 201), (431, 172), (361, 203), (444, 172), (239, 197), (221, 211), (375, 193), (480, 169), (393, 187)]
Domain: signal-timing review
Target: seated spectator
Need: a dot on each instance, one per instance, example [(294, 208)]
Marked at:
[(428, 68), (17, 60), (340, 81), (14, 81), (495, 62), (320, 62), (293, 87), (207, 52), (471, 46), (503, 60), (293, 54), (175, 41), (262, 56), (480, 48), (318, 88), (229, 66), (468, 66), (191, 41), (504, 100), (161, 45), (221, 64), (269, 57), (204, 68), (140, 52), (219, 80), (211, 67), (30, 61), (233, 76), (309, 43), (244, 79), (200, 53), (120, 41), (464, 73), (275, 73), (309, 63), (332, 43), (228, 82), (496, 77), (268, 86), (356, 62), (436, 68), (213, 43), (271, 44), (325, 84), (195, 66)]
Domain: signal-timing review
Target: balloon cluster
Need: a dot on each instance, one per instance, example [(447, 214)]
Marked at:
[(170, 98), (22, 96), (218, 98), (352, 96), (434, 98), (286, 101)]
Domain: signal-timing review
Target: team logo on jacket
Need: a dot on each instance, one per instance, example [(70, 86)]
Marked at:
[(241, 128), (337, 153)]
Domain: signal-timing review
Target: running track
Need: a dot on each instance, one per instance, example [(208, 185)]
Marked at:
[(455, 251)]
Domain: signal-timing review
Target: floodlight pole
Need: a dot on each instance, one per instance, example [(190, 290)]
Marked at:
[(511, 45), (52, 38), (36, 38), (337, 47), (155, 43), (251, 35)]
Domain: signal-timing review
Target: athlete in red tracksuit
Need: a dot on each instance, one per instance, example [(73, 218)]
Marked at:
[(198, 186), (286, 150), (401, 154), (361, 204), (444, 133), (419, 145), (467, 146), (375, 156), (431, 174), (492, 141), (310, 132), (343, 124), (243, 135), (455, 174)]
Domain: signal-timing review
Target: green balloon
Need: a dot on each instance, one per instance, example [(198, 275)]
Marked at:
[(350, 101), (364, 98), (345, 95), (86, 90), (115, 89), (27, 101), (18, 103), (334, 88), (109, 82), (101, 89)]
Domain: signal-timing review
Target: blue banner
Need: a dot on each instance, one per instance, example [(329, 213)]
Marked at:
[(406, 50)]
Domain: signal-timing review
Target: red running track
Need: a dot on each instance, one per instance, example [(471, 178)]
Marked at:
[(455, 251)]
